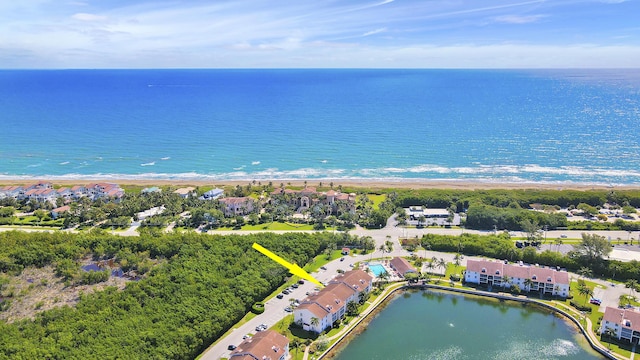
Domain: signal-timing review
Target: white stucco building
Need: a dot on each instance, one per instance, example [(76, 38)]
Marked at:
[(330, 304), (544, 280)]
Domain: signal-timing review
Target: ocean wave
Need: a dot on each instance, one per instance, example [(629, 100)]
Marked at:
[(255, 163), (152, 163), (478, 173)]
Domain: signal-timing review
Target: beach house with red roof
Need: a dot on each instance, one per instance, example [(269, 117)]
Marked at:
[(402, 266), (625, 323), (544, 280), (320, 310), (335, 202), (237, 206), (264, 345)]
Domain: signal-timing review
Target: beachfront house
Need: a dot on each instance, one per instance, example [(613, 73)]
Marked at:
[(237, 206), (623, 324), (402, 266), (319, 311), (545, 280), (334, 202), (185, 192), (212, 194), (151, 190), (264, 345)]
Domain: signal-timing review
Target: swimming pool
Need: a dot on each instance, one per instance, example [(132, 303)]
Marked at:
[(377, 269)]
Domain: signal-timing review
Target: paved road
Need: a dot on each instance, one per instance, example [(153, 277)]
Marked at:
[(274, 308)]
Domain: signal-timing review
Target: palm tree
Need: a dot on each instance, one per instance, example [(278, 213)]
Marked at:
[(631, 284), (431, 266), (456, 259), (558, 242), (506, 280), (314, 321), (442, 263), (615, 268), (585, 272), (528, 283), (586, 292), (611, 334)]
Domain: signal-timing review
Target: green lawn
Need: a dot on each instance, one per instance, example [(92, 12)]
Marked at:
[(377, 200), (275, 226), (322, 260), (453, 269)]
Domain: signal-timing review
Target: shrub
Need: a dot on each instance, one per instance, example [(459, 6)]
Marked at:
[(258, 308), (580, 307)]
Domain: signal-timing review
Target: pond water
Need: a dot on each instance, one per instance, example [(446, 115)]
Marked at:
[(441, 325)]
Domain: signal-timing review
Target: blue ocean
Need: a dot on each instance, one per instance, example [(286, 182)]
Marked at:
[(544, 126)]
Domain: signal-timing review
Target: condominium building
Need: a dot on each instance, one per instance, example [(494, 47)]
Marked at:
[(319, 311), (545, 280), (623, 323), (264, 345)]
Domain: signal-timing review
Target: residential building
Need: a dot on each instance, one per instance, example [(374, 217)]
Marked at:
[(150, 190), (237, 206), (264, 345), (55, 213), (433, 216), (212, 194), (624, 323), (320, 310), (185, 192), (334, 202), (402, 266), (545, 280), (103, 190), (43, 192)]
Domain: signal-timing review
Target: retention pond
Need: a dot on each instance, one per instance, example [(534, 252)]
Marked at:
[(441, 325)]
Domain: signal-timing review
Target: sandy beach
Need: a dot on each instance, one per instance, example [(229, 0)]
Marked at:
[(357, 183)]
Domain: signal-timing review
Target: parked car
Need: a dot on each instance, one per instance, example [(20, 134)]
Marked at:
[(300, 281), (231, 347), (323, 268), (341, 259), (595, 301), (286, 292), (280, 296), (295, 286), (288, 309)]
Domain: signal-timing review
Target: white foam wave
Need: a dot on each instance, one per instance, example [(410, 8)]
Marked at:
[(165, 158), (148, 164), (424, 173), (63, 163), (324, 161), (255, 163)]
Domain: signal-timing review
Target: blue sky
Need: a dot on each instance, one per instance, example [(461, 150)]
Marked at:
[(319, 33)]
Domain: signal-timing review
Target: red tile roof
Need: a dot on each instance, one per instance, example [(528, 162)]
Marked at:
[(402, 265), (263, 345), (519, 271), (626, 317)]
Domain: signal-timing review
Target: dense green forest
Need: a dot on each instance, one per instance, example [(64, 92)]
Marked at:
[(200, 288)]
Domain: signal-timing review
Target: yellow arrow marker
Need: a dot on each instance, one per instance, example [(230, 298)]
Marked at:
[(293, 268)]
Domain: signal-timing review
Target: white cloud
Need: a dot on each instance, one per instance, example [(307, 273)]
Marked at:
[(88, 17), (518, 19), (373, 32)]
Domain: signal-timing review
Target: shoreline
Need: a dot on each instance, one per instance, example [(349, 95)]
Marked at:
[(374, 184)]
